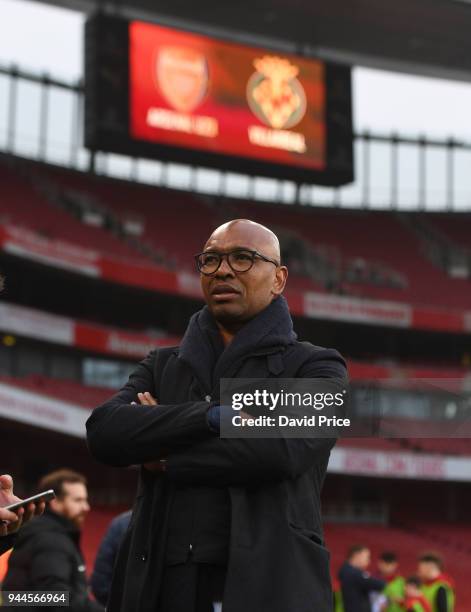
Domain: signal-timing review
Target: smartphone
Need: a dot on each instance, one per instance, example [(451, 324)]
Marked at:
[(44, 496)]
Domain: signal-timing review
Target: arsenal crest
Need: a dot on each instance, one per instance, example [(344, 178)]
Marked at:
[(274, 94), (182, 75)]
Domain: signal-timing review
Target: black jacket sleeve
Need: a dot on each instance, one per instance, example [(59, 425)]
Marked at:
[(232, 462), (106, 556), (122, 434), (239, 461), (51, 571), (369, 583), (7, 542)]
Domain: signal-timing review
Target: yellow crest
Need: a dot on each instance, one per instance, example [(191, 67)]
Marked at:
[(274, 93)]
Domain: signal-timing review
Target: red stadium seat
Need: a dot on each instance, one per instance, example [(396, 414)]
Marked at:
[(344, 235)]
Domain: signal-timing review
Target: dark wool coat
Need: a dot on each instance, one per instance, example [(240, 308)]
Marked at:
[(277, 558)]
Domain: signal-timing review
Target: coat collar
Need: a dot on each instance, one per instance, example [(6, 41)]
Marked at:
[(203, 350)]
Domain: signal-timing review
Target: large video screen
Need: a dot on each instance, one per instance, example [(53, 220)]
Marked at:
[(164, 93)]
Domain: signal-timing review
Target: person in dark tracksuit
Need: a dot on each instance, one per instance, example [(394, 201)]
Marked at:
[(47, 554), (356, 582), (106, 557)]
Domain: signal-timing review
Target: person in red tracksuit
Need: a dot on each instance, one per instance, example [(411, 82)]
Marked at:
[(415, 600)]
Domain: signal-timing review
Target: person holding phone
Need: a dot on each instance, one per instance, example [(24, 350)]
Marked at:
[(47, 554), (10, 522)]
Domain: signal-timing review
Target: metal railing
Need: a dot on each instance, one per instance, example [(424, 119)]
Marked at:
[(41, 118)]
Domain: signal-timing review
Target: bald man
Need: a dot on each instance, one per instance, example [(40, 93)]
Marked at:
[(218, 523)]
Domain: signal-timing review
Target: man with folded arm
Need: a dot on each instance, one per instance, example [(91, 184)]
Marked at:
[(220, 521)]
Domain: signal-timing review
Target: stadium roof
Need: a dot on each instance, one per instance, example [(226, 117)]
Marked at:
[(429, 37)]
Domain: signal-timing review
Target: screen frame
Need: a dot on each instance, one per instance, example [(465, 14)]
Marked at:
[(107, 114)]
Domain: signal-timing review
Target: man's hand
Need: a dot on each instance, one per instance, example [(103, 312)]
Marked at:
[(10, 522), (146, 399)]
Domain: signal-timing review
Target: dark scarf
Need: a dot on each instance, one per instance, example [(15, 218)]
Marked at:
[(203, 349)]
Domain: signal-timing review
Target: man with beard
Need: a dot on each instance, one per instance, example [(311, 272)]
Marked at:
[(47, 555), (217, 520)]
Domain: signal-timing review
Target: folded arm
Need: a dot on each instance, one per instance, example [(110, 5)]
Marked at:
[(122, 433), (228, 462), (239, 461)]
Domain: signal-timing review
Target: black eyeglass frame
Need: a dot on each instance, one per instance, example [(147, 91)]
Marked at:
[(221, 256)]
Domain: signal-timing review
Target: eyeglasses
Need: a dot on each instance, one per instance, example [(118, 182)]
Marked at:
[(240, 260)]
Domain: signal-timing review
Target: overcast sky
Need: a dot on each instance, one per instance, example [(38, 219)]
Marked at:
[(43, 38), (40, 37)]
